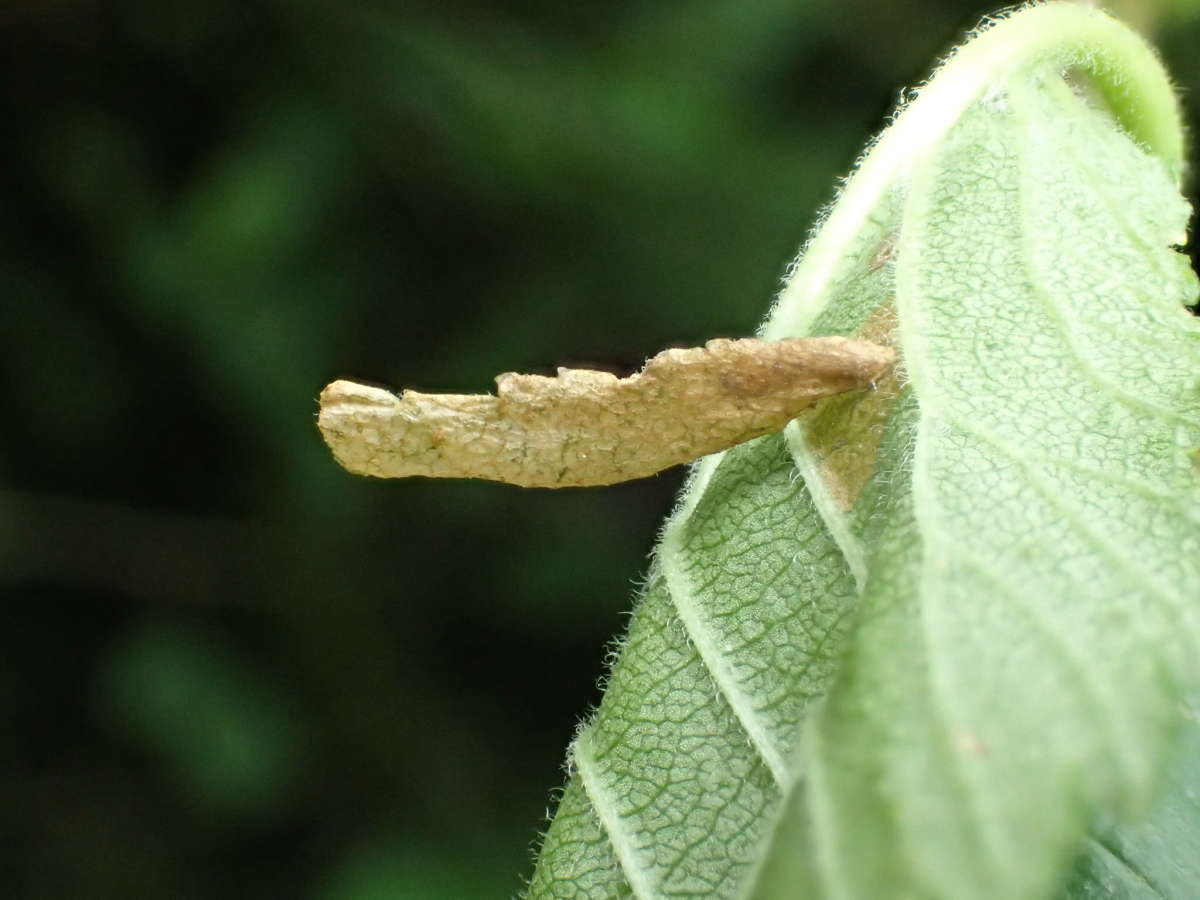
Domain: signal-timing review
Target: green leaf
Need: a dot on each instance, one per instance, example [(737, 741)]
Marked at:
[(674, 777), (925, 642), (1030, 608), (1158, 857)]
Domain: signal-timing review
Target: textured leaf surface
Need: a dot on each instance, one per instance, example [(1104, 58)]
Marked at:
[(928, 640), (1157, 858), (676, 779), (676, 775), (1031, 602)]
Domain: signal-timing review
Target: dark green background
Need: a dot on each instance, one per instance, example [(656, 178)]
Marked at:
[(228, 668)]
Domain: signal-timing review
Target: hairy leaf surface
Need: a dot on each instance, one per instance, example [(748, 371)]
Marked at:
[(929, 639), (1031, 607)]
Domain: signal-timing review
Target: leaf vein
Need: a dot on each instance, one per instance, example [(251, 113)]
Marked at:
[(623, 843), (717, 664), (832, 516), (1108, 709), (1138, 576), (1037, 280), (1121, 860)]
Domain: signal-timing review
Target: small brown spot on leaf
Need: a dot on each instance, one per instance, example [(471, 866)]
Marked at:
[(844, 434)]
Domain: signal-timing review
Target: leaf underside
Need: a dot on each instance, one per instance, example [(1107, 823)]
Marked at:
[(927, 641), (1158, 857)]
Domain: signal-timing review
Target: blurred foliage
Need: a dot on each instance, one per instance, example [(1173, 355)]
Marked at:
[(231, 669)]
